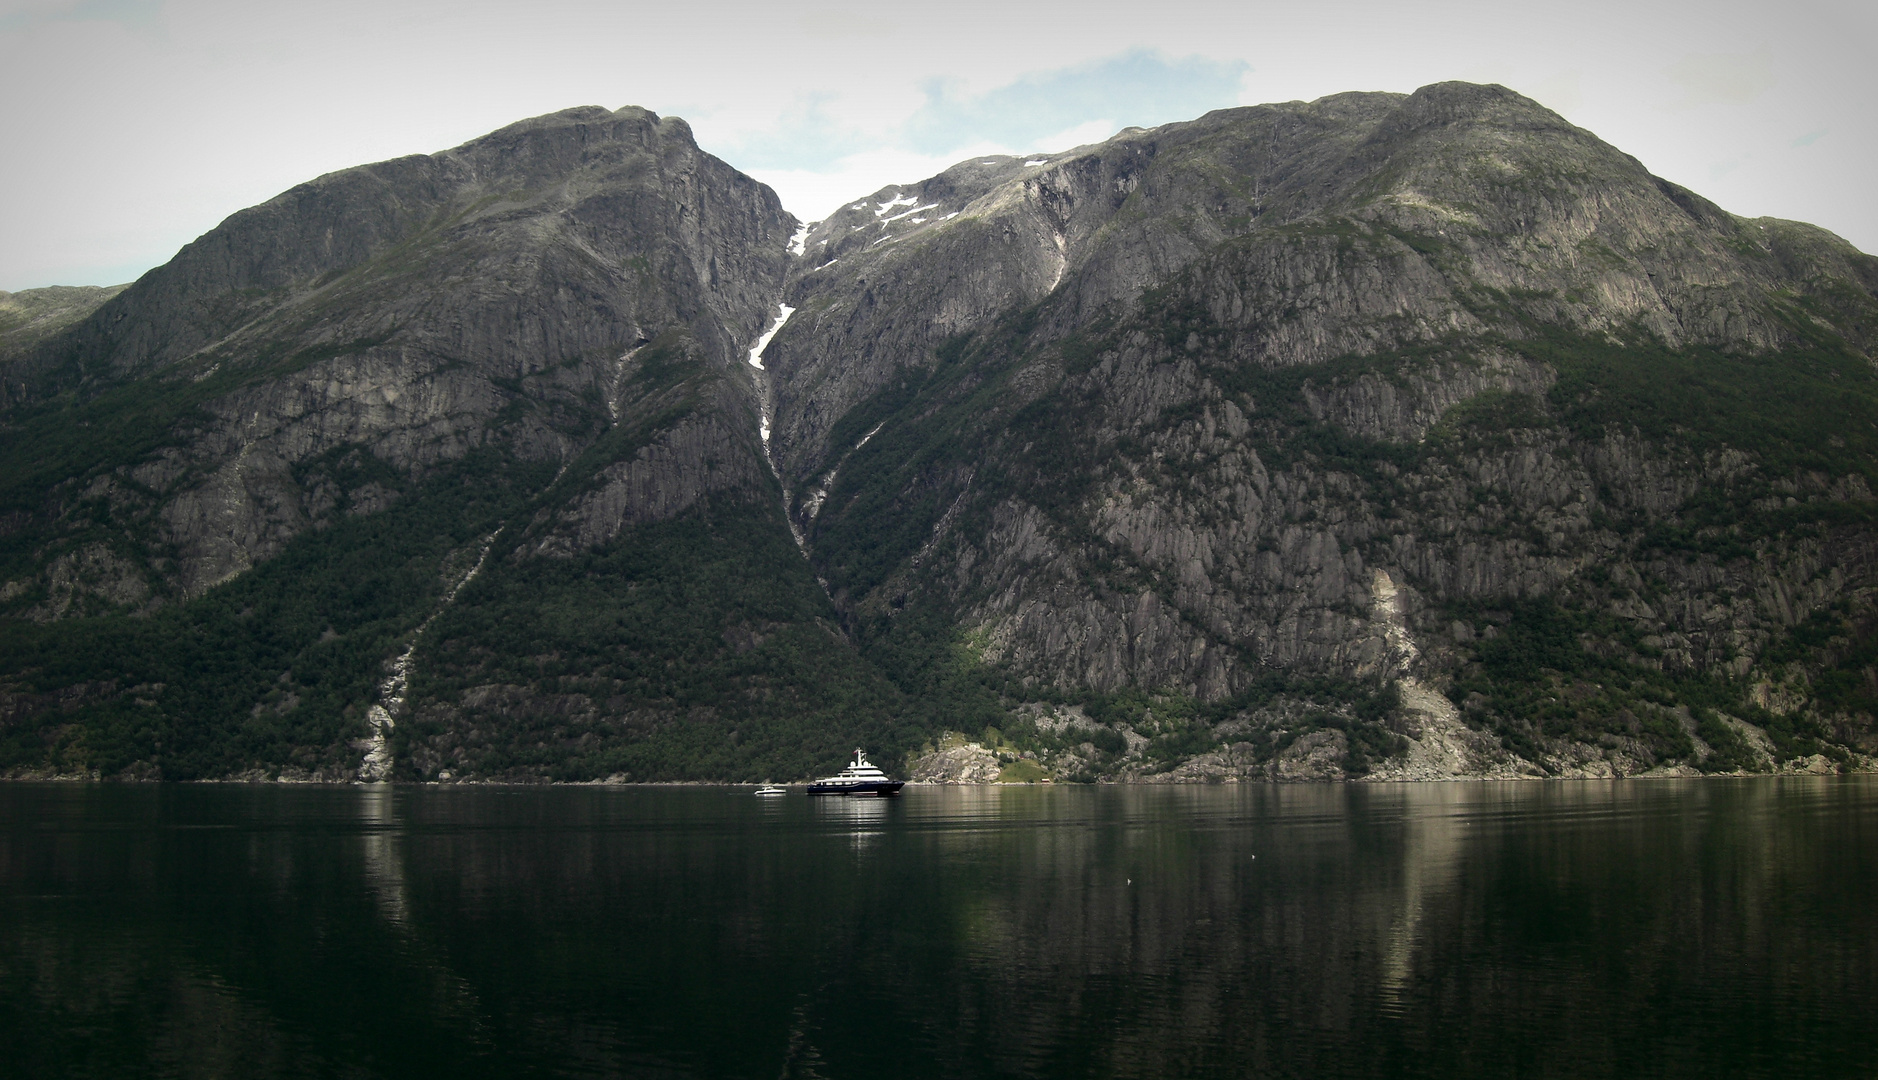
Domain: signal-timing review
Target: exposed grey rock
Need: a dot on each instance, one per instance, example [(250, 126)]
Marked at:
[(962, 763), (30, 316), (1059, 409), (1456, 221), (1349, 224), (402, 307)]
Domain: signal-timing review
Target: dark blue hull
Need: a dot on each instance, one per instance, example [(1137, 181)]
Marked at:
[(870, 787)]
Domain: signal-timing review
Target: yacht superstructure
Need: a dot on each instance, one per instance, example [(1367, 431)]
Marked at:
[(859, 778)]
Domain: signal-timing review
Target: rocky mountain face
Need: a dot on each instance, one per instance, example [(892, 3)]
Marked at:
[(1385, 436), (404, 308), (241, 491), (1435, 392), (33, 315)]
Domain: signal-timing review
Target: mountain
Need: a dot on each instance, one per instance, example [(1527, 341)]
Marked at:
[(29, 317), (1437, 390), (1397, 436), (422, 401)]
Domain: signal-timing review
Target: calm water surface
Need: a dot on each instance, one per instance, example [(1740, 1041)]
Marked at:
[(1637, 929)]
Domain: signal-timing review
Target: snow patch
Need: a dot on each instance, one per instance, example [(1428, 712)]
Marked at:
[(915, 210), (899, 200), (1034, 164), (783, 311), (801, 237), (765, 401)]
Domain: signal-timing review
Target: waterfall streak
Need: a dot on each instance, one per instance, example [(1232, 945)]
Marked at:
[(383, 715)]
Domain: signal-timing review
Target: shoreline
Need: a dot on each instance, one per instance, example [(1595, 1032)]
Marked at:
[(1653, 775)]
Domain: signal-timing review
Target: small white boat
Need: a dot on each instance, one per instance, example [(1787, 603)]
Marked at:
[(771, 789)]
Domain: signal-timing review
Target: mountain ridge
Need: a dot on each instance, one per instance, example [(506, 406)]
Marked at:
[(1223, 450)]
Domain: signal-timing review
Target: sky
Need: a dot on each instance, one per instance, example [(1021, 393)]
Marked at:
[(131, 127)]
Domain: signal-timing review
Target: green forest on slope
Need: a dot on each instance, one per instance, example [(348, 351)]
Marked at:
[(704, 648), (1558, 667), (272, 670)]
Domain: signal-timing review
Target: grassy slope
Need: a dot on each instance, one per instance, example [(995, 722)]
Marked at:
[(30, 316)]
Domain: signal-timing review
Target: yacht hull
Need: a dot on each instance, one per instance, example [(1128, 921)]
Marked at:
[(882, 788)]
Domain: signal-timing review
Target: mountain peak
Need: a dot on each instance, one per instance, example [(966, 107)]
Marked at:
[(1383, 435)]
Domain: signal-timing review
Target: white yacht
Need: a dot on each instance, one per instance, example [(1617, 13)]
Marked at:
[(859, 778), (771, 790)]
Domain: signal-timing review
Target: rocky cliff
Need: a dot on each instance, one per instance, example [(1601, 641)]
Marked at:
[(1436, 392), (33, 315), (1382, 435), (416, 309), (244, 494)]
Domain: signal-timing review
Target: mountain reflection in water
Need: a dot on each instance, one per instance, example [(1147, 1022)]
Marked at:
[(1637, 928)]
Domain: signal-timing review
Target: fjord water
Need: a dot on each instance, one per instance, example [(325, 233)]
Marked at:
[(1635, 929)]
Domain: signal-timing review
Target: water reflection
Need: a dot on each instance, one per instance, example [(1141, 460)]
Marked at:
[(380, 842), (862, 817), (1587, 929), (1431, 864)]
